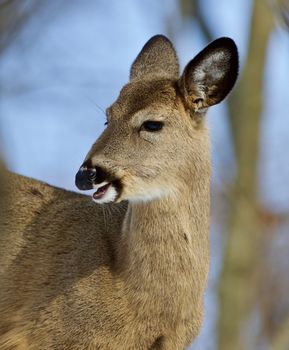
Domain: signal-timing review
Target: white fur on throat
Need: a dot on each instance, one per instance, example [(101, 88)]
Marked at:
[(150, 195)]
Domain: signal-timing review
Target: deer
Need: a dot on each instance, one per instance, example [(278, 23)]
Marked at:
[(128, 269)]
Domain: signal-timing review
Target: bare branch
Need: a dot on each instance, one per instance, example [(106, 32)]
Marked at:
[(13, 16), (280, 9), (192, 9)]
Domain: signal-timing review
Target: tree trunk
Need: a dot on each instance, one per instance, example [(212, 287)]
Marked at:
[(281, 339), (237, 281)]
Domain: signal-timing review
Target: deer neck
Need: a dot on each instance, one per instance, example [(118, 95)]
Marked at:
[(164, 251)]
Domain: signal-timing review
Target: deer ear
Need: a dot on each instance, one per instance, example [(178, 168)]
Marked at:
[(209, 77), (157, 60)]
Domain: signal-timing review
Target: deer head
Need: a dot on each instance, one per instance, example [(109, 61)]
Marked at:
[(156, 141)]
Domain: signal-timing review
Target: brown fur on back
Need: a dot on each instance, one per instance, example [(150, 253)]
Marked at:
[(54, 265)]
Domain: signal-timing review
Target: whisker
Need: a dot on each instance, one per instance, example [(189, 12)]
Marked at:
[(96, 105)]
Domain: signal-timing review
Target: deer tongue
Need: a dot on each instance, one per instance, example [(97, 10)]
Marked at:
[(101, 191)]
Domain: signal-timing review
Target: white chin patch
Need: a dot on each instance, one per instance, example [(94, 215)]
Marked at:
[(105, 193)]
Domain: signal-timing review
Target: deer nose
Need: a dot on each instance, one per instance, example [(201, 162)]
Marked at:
[(85, 178)]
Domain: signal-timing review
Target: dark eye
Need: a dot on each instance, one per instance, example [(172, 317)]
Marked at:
[(152, 126)]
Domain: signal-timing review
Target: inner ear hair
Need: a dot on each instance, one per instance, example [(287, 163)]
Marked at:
[(210, 76), (198, 104)]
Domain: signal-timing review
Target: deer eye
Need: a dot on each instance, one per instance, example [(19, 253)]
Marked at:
[(152, 126)]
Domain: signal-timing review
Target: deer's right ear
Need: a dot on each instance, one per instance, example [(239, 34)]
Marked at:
[(210, 76), (157, 60)]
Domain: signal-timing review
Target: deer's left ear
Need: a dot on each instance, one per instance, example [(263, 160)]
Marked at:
[(209, 77)]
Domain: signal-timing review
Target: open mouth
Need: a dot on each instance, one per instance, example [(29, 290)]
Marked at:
[(101, 190)]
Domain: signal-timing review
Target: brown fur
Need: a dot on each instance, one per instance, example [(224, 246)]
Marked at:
[(119, 276)]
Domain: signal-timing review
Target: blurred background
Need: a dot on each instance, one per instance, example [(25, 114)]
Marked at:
[(63, 62)]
